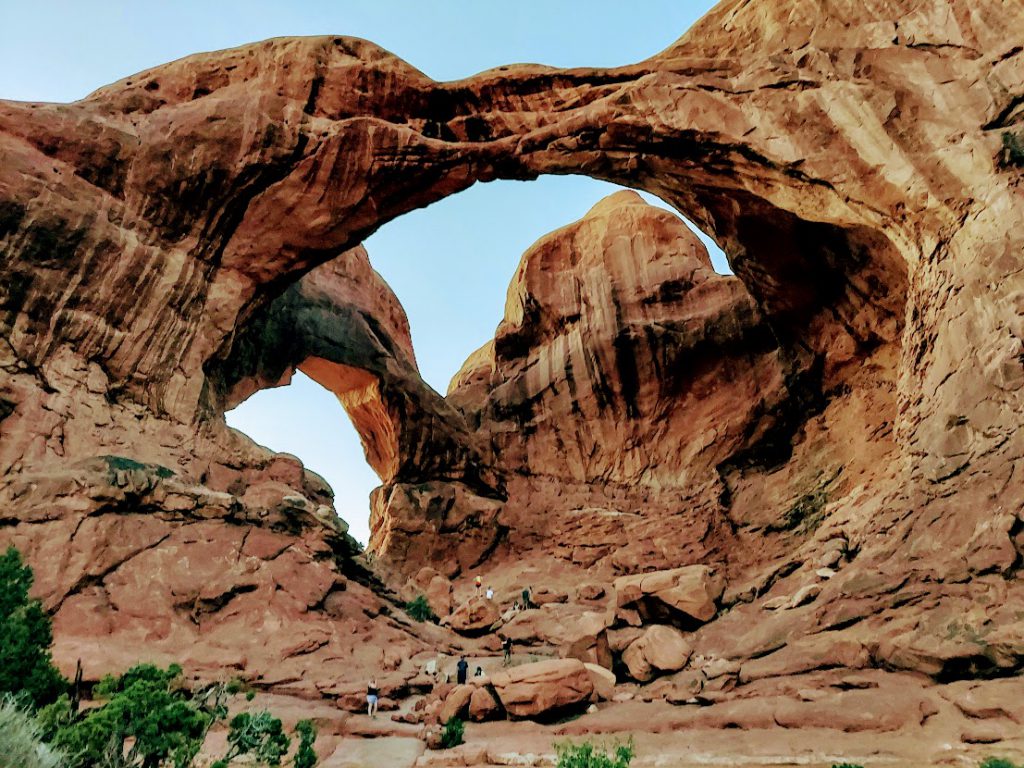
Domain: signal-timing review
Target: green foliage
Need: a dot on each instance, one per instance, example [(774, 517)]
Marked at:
[(21, 739), (26, 669), (147, 708), (846, 765), (124, 464), (420, 609), (589, 755), (998, 762), (305, 756), (452, 733), (1013, 154), (258, 735)]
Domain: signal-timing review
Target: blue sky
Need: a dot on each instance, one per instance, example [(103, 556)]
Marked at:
[(449, 264)]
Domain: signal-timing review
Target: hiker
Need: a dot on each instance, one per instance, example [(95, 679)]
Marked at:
[(463, 668), (372, 696), (490, 593), (528, 598), (478, 582), (479, 672), (507, 646)]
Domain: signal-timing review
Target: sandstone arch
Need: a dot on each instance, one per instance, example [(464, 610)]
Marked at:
[(843, 155)]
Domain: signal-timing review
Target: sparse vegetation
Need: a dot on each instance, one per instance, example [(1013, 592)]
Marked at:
[(21, 740), (124, 464), (589, 755), (257, 735), (305, 757), (452, 733), (998, 762), (807, 512), (419, 609), (26, 668), (1013, 151), (846, 765)]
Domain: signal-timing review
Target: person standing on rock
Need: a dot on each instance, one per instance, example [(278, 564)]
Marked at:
[(490, 593), (507, 646), (463, 669), (527, 598), (372, 697), (478, 582)]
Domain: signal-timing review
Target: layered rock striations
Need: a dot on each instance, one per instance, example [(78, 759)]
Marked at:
[(836, 429)]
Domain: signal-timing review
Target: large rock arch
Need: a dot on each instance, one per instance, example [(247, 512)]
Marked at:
[(844, 156)]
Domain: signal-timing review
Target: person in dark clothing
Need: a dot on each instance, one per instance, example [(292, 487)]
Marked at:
[(479, 672), (372, 697), (463, 669), (507, 646), (528, 598)]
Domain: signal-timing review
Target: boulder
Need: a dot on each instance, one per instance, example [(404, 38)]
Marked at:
[(659, 649), (474, 617), (603, 680), (456, 702), (543, 688), (682, 596), (484, 705)]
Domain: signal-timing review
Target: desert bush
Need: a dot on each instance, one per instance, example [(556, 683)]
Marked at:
[(258, 735), (26, 668), (305, 757), (21, 739), (846, 765), (452, 733), (148, 718), (589, 755), (420, 609), (998, 762)]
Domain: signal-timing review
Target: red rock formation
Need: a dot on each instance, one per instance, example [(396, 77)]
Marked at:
[(154, 239)]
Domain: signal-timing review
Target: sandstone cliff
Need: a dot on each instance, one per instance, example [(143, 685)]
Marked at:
[(160, 237)]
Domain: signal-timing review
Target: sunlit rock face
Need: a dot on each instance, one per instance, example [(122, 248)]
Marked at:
[(159, 237)]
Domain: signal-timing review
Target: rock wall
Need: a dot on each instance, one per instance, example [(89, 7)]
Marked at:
[(846, 157)]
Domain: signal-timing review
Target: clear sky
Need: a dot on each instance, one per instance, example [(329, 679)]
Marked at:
[(449, 264)]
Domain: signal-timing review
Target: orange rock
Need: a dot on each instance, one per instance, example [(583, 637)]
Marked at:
[(659, 649), (543, 688)]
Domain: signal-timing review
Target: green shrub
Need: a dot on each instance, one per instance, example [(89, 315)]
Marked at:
[(586, 754), (258, 735), (21, 740), (305, 757), (452, 733), (846, 765), (998, 762), (26, 668), (420, 609), (145, 707)]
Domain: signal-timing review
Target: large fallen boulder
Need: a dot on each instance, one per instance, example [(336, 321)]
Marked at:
[(474, 617), (659, 649), (685, 597), (603, 680), (543, 688)]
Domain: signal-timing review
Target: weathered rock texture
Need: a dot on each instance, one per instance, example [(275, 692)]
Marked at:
[(860, 380)]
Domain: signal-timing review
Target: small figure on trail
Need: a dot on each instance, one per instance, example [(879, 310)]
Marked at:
[(478, 582), (372, 696), (431, 668), (463, 668), (507, 646), (479, 672), (528, 598), (490, 593)]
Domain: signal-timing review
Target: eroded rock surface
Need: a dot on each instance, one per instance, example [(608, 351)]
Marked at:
[(860, 379)]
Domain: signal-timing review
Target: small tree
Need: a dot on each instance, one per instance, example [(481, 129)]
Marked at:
[(26, 668), (420, 609), (148, 720), (258, 735), (305, 756), (452, 733), (588, 755)]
